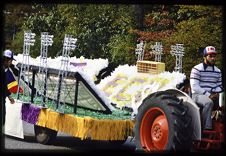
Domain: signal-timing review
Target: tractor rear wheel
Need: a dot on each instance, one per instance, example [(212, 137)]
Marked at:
[(44, 135), (163, 124)]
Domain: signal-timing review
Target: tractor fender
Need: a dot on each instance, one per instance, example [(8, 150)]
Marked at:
[(193, 111)]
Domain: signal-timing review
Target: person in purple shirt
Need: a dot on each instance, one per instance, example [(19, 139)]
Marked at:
[(7, 61)]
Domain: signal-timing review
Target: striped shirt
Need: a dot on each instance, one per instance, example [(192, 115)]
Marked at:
[(205, 79)]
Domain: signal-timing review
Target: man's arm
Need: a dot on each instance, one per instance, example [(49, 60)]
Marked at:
[(12, 101), (195, 83), (219, 87)]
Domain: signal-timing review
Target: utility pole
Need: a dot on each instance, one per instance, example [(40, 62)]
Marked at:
[(69, 44), (24, 70), (140, 51), (157, 51), (46, 40), (178, 51)]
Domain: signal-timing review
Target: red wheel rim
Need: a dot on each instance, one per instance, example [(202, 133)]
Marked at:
[(154, 130)]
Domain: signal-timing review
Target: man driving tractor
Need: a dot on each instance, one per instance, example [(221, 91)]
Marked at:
[(206, 84)]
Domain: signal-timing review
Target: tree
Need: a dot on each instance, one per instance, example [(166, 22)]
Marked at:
[(110, 31), (199, 26), (159, 23), (194, 26), (37, 18), (122, 49), (93, 25), (14, 15), (139, 16)]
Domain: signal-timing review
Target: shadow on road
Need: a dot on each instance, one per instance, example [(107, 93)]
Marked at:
[(68, 144), (92, 145)]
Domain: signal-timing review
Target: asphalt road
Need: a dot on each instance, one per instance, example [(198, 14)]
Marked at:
[(63, 143)]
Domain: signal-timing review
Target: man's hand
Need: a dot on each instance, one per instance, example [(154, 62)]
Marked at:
[(12, 101), (214, 96)]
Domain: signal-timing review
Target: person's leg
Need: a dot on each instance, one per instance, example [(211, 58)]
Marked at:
[(207, 105)]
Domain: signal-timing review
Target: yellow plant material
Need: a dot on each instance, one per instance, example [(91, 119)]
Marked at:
[(84, 127)]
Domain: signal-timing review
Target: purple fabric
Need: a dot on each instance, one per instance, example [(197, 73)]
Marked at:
[(30, 113), (78, 64)]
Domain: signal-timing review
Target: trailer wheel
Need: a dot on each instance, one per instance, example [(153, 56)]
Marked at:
[(44, 135), (163, 124)]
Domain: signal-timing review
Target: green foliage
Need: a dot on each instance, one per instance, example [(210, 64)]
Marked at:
[(159, 23), (45, 20), (94, 25), (104, 30), (17, 44), (198, 30), (116, 114), (122, 49), (13, 19)]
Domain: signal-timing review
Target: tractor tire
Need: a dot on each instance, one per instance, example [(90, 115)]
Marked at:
[(44, 135), (163, 124)]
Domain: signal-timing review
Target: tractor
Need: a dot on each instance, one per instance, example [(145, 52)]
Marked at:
[(167, 120), (170, 120)]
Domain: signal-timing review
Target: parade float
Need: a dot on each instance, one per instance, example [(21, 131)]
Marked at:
[(142, 100)]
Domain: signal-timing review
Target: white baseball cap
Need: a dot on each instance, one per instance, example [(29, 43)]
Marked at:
[(9, 54), (209, 50)]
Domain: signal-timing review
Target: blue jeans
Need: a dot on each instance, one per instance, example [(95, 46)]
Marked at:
[(206, 104)]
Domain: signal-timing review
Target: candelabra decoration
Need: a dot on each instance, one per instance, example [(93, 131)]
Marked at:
[(69, 44), (140, 51), (178, 51), (46, 40), (157, 51), (24, 70)]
